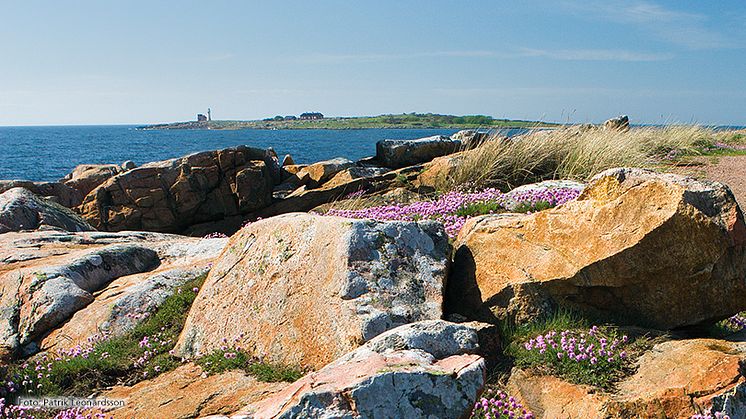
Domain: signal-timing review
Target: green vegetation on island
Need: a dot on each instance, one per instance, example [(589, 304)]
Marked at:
[(409, 120)]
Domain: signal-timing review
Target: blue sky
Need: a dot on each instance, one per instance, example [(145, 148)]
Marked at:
[(94, 62)]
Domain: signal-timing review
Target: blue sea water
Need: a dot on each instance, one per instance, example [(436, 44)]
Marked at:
[(50, 152)]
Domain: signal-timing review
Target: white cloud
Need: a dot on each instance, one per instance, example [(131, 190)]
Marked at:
[(685, 29), (597, 55)]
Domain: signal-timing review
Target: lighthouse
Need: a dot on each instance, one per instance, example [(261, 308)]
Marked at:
[(209, 114)]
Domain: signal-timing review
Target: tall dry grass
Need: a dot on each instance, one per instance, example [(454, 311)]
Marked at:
[(570, 153)]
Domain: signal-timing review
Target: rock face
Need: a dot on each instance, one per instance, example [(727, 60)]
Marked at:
[(53, 191), (304, 289), (427, 370), (632, 240), (22, 210), (401, 153), (170, 195), (676, 379), (86, 177), (470, 138), (57, 289), (185, 393)]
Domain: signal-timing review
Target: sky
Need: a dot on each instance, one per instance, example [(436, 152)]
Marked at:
[(136, 62)]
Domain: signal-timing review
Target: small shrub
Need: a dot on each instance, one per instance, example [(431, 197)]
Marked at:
[(596, 356)]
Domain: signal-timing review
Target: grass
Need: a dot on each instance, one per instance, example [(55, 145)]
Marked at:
[(572, 153), (233, 359)]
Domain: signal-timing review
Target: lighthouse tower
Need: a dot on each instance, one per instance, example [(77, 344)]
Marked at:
[(209, 114)]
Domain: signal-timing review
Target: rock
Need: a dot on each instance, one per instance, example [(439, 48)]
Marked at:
[(185, 393), (55, 191), (551, 397), (401, 153), (632, 239), (86, 177), (22, 210), (315, 174), (58, 289), (470, 138), (293, 169), (620, 123), (43, 297), (128, 165), (171, 195), (348, 175), (663, 386), (288, 161), (366, 277), (440, 170), (419, 370)]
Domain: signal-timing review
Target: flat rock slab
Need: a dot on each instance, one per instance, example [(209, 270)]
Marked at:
[(187, 392), (304, 289)]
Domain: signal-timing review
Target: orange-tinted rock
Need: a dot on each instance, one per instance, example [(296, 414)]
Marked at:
[(86, 177), (649, 249), (188, 393), (675, 379), (170, 195), (304, 289)]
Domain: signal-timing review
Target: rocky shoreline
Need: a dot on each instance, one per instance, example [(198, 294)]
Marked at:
[(235, 284)]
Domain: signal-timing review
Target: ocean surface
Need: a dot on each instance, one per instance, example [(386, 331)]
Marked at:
[(48, 153)]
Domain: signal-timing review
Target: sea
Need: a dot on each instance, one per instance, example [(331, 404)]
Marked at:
[(48, 153)]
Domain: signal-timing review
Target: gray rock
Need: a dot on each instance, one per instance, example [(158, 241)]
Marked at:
[(58, 191), (57, 292), (401, 153), (422, 370), (20, 209), (128, 165), (620, 123)]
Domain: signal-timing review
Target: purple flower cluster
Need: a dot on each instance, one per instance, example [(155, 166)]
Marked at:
[(78, 413), (737, 322), (498, 405), (578, 347), (15, 412), (445, 208), (152, 346), (215, 235), (716, 415)]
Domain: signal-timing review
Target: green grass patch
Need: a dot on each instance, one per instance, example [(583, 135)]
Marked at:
[(232, 359), (525, 207), (473, 209)]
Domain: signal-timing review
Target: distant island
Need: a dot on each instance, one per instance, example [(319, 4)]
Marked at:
[(316, 120)]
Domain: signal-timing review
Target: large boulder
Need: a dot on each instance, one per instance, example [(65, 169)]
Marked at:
[(304, 289), (20, 209), (675, 379), (86, 177), (169, 196), (401, 153), (636, 246), (422, 370), (53, 191), (620, 123)]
